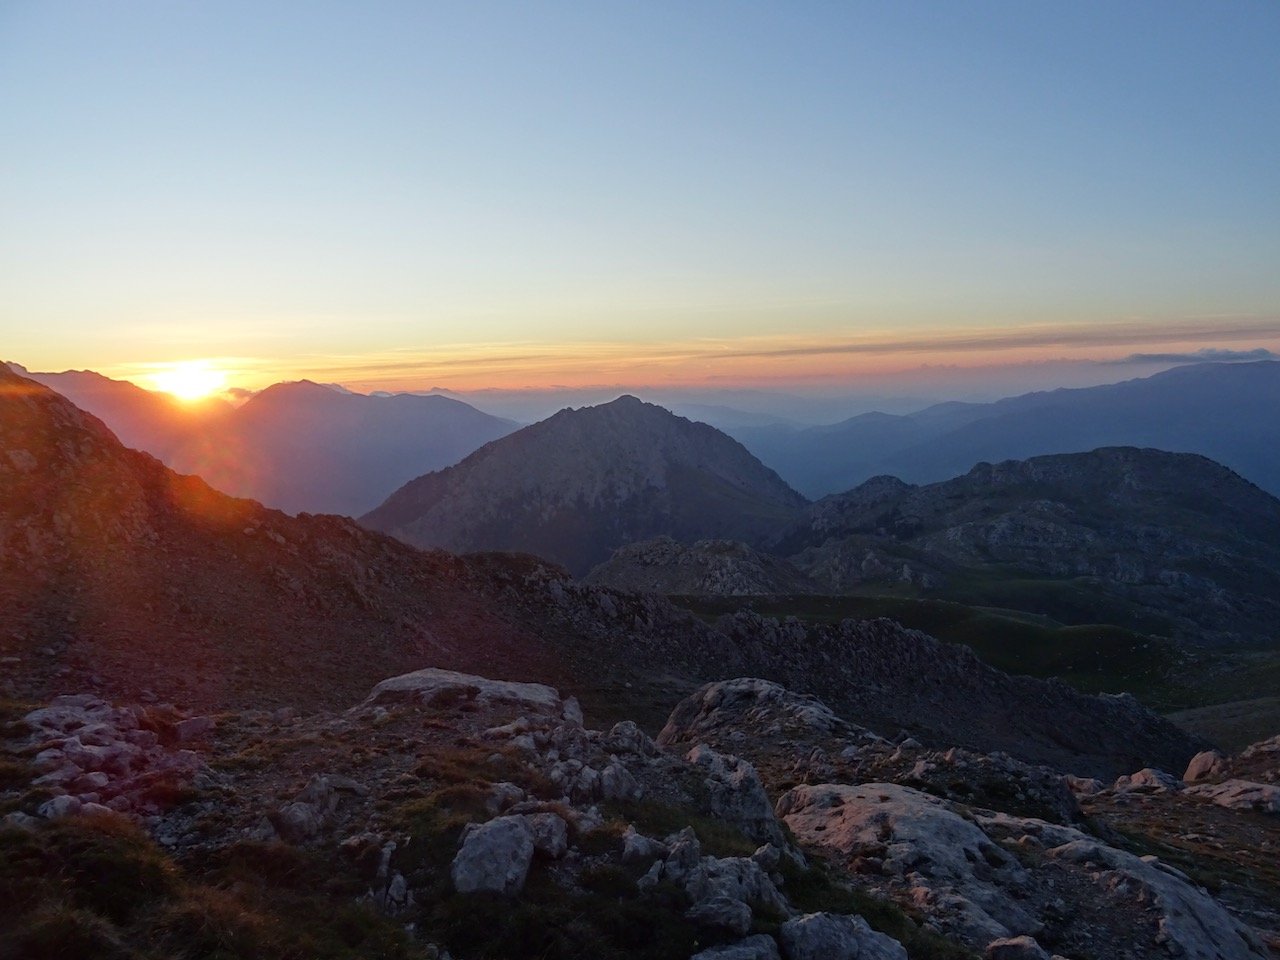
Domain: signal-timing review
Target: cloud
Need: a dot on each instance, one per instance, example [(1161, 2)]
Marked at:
[(1207, 355)]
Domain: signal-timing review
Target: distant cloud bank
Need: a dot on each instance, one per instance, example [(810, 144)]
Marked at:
[(1207, 355)]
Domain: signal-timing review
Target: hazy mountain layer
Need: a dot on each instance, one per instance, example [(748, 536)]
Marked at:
[(1229, 412), (294, 446), (583, 482)]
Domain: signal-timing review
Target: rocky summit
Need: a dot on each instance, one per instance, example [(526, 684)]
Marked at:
[(584, 482)]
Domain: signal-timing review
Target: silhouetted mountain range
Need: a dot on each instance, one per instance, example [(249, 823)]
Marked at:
[(1227, 412), (294, 446)]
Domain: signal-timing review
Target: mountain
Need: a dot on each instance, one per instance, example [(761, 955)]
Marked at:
[(143, 419), (579, 484), (302, 446), (716, 568), (1168, 543), (294, 446), (1229, 412), (121, 577)]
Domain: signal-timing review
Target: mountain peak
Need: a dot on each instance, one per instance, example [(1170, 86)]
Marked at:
[(578, 485)]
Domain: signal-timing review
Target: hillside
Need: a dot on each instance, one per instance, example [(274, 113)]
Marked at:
[(1229, 412), (1168, 543), (707, 568), (578, 485)]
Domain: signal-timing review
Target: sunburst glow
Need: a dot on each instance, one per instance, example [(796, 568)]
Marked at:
[(189, 381)]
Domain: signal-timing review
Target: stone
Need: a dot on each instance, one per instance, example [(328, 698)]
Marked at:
[(572, 711), (617, 783), (1149, 780), (1240, 795), (194, 728), (427, 686), (494, 856), (298, 821), (637, 848), (63, 806), (737, 796), (501, 797), (722, 914), (1204, 766), (550, 834), (759, 947), (917, 835), (834, 936), (737, 878), (1015, 948)]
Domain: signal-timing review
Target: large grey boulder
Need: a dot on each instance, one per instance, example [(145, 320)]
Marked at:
[(494, 856), (834, 936), (949, 859), (736, 794), (432, 684), (1184, 914)]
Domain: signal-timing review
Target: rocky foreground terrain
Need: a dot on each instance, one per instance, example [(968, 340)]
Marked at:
[(446, 814)]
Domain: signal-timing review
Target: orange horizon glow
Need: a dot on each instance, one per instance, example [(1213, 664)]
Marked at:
[(706, 363)]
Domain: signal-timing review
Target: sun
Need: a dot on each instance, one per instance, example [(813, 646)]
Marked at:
[(190, 380)]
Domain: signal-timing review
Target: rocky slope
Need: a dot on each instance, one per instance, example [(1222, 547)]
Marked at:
[(720, 568), (451, 815), (1178, 544), (580, 484)]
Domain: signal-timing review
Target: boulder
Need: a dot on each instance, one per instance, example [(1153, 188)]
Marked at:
[(759, 947), (737, 796), (494, 856), (550, 834), (952, 863), (432, 684), (834, 936), (637, 848), (1148, 780), (1240, 795), (1204, 766), (722, 914), (1015, 948)]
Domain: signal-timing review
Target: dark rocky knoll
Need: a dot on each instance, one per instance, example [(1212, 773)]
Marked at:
[(577, 485), (722, 568), (1176, 537)]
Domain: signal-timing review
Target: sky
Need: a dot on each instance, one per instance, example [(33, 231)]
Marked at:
[(697, 194)]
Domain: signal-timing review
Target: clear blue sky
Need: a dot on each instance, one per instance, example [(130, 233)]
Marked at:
[(362, 185)]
